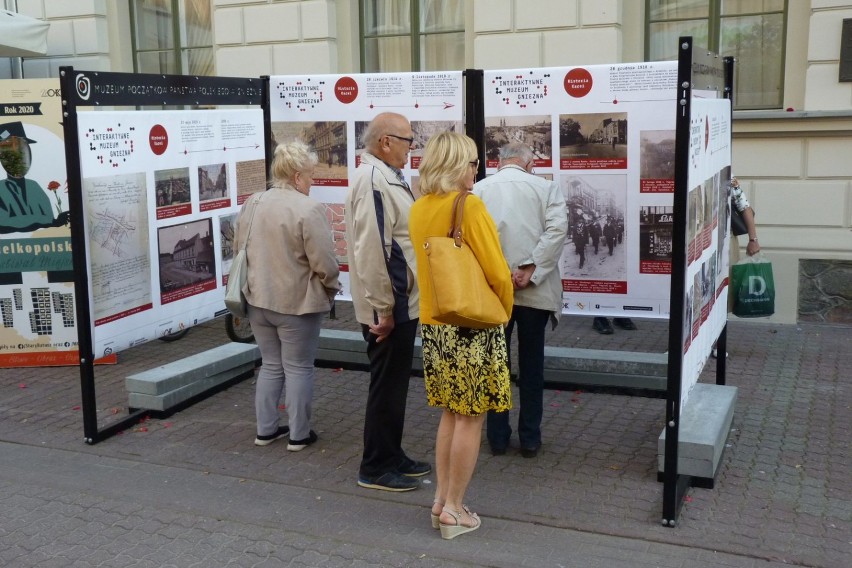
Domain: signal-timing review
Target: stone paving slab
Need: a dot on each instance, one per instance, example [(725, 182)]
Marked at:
[(783, 494), (124, 513)]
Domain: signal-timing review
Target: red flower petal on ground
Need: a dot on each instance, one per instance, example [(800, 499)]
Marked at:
[(76, 407), (22, 386)]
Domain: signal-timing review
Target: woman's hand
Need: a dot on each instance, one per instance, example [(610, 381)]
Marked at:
[(753, 247)]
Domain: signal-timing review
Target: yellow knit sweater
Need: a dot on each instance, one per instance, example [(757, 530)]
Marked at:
[(430, 217)]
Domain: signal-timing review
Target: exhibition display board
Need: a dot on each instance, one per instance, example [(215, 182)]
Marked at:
[(161, 191), (606, 135), (154, 195), (330, 112), (700, 245)]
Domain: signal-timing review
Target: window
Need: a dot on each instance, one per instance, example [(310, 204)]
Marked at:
[(172, 36), (752, 31), (412, 35)]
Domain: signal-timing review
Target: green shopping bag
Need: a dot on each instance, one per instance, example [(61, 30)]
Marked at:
[(753, 287)]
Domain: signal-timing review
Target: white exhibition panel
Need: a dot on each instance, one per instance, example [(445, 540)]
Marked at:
[(605, 134), (708, 235), (329, 113), (161, 190)]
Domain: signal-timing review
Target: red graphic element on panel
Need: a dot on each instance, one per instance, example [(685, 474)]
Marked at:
[(578, 82), (346, 90), (706, 132), (158, 138)]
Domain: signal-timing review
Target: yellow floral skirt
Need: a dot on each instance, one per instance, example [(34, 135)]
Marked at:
[(466, 370)]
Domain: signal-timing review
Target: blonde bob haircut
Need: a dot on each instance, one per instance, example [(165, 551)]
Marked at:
[(289, 158), (446, 162)]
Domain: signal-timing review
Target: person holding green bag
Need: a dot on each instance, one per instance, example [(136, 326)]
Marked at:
[(740, 201)]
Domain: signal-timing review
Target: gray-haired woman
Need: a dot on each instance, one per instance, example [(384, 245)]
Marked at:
[(292, 281)]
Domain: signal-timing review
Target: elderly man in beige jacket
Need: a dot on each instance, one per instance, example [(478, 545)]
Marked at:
[(532, 221), (382, 275)]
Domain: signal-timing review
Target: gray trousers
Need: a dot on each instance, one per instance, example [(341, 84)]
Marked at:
[(288, 345)]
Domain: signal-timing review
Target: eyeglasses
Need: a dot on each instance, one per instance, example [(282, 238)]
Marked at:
[(474, 163), (409, 140)]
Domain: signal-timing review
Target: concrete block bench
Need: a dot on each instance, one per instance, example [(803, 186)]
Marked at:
[(348, 348), (580, 367), (167, 387), (705, 422)]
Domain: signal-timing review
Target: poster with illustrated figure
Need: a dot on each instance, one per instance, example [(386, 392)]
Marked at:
[(37, 318), (606, 135), (708, 233), (330, 112), (162, 190)]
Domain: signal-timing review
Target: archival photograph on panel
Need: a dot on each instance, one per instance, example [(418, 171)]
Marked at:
[(423, 130), (593, 141), (655, 239), (327, 139), (212, 182), (186, 261), (172, 186), (251, 178), (695, 221), (534, 131), (227, 228), (117, 213), (656, 161), (595, 247)]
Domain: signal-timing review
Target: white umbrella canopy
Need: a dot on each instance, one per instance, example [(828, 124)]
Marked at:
[(22, 36)]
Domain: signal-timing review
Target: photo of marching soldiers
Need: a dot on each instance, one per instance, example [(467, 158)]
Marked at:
[(172, 186), (212, 182), (595, 247), (534, 131), (327, 139), (656, 161), (593, 141), (655, 239), (186, 258)]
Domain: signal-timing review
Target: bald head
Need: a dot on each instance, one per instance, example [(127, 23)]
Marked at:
[(388, 137)]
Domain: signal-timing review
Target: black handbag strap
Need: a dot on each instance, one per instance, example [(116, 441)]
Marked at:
[(455, 231)]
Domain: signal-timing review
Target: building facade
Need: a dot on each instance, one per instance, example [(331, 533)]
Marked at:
[(792, 121)]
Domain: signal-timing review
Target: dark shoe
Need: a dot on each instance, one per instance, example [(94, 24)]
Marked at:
[(269, 438), (624, 323), (603, 326), (530, 452), (390, 481), (498, 451), (414, 468), (297, 445)]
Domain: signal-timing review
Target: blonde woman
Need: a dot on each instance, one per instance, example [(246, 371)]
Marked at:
[(466, 370), (292, 281)]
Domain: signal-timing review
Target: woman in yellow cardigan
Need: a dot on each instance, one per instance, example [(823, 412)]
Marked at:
[(466, 370)]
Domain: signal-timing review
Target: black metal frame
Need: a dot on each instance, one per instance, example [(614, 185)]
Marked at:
[(699, 70), (95, 89), (474, 113)]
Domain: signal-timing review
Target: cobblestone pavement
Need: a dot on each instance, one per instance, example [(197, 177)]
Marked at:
[(192, 489)]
